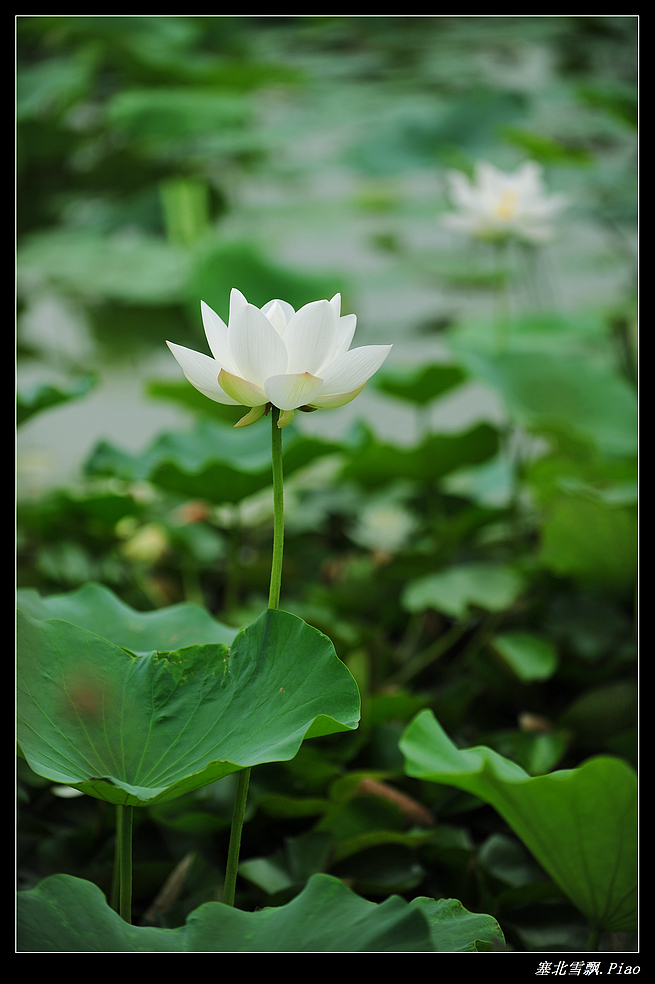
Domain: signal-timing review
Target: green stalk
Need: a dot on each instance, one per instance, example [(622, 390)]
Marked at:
[(501, 297), (421, 660), (238, 813), (241, 798), (124, 822), (278, 513)]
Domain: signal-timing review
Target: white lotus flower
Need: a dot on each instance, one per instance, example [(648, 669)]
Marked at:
[(275, 356), (496, 205), (383, 526)]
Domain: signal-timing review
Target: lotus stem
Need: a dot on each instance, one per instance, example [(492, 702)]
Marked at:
[(243, 782), (124, 824)]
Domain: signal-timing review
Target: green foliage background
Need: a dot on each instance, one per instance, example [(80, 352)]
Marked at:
[(464, 532)]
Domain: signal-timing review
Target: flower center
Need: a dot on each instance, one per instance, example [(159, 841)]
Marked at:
[(506, 208)]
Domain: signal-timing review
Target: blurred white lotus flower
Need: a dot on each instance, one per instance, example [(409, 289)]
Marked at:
[(496, 205), (146, 545), (275, 356), (383, 526)]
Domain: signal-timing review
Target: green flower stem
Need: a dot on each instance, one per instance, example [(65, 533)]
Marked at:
[(278, 512), (501, 296), (124, 821), (421, 660), (241, 798), (238, 813)]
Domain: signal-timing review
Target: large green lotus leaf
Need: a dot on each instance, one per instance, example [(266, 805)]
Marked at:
[(144, 729), (213, 461), (96, 608), (165, 115), (594, 542), (44, 396), (421, 385), (68, 914), (552, 332), (413, 134), (580, 824), (492, 587), (219, 264), (143, 270), (545, 390), (529, 657), (373, 462)]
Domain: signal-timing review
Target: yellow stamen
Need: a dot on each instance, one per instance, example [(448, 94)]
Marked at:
[(506, 208)]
